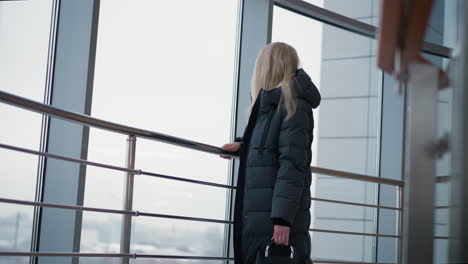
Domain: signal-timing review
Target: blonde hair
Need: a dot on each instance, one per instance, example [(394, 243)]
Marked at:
[(276, 64)]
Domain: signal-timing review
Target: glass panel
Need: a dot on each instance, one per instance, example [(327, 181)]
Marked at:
[(169, 67), (100, 260), (101, 232), (345, 247), (176, 237), (24, 41), (342, 65), (443, 170), (443, 28), (347, 123), (342, 217), (366, 11)]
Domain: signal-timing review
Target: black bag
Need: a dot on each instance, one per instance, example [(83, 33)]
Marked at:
[(274, 254)]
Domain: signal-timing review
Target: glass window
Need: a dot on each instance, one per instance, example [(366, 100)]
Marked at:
[(363, 10), (443, 171), (167, 67), (24, 42), (442, 29), (343, 66)]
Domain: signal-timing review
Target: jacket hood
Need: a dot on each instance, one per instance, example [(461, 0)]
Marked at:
[(303, 88)]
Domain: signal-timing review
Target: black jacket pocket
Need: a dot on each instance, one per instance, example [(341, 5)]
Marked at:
[(267, 157)]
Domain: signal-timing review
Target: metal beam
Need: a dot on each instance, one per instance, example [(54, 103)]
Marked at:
[(349, 24)]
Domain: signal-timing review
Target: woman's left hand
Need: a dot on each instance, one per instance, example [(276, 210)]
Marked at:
[(281, 235), (231, 147)]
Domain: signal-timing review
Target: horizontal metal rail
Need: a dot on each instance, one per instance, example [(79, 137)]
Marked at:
[(48, 155), (108, 255), (441, 237), (351, 233), (187, 180), (138, 213), (137, 255), (355, 176), (334, 19), (356, 204), (67, 254), (317, 170), (101, 165), (112, 211), (348, 262), (98, 123), (106, 125), (442, 179)]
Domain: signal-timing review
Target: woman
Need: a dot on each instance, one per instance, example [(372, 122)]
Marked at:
[(273, 188)]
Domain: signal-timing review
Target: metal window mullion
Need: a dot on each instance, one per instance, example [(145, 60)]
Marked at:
[(254, 33), (45, 127), (233, 165)]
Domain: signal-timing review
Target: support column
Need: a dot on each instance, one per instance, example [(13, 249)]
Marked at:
[(72, 82), (418, 209), (458, 243)]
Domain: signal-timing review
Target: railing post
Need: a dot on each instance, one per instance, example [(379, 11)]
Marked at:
[(128, 199)]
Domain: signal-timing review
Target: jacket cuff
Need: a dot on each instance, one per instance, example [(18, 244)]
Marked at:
[(279, 221), (238, 139), (283, 208)]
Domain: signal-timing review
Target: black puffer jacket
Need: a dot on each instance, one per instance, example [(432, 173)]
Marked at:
[(274, 174)]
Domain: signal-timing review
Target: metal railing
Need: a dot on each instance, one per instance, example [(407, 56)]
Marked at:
[(128, 213)]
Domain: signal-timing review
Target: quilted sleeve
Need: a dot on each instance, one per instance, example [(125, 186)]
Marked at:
[(293, 147)]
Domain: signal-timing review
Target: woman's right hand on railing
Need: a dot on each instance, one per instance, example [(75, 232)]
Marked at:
[(230, 147)]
